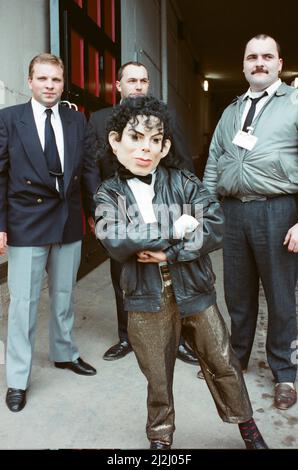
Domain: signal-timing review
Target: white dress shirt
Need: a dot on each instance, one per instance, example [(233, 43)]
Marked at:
[(40, 119), (144, 194)]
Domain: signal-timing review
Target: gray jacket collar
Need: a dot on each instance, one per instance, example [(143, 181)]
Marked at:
[(282, 90)]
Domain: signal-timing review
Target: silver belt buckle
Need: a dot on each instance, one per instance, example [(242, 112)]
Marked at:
[(245, 199), (251, 198), (167, 283)]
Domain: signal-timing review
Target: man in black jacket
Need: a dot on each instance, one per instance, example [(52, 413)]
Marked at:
[(133, 81), (161, 223)]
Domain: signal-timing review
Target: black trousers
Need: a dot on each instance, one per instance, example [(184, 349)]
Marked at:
[(253, 250), (115, 269)]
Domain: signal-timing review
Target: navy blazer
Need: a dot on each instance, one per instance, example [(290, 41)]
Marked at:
[(32, 211)]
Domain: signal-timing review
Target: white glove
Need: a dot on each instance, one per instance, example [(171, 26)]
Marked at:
[(185, 225)]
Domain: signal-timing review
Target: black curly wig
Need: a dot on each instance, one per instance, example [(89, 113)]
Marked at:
[(128, 111)]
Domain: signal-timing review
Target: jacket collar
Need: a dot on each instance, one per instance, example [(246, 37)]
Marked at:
[(29, 136), (282, 90)]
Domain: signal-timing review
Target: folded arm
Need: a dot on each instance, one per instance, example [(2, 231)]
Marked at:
[(122, 236)]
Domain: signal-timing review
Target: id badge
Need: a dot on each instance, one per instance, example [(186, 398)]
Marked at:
[(245, 140)]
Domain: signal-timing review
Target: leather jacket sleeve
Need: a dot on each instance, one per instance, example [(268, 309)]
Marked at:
[(121, 236), (209, 233)]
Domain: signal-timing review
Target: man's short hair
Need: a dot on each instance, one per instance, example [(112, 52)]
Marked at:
[(45, 58), (265, 36), (135, 63)]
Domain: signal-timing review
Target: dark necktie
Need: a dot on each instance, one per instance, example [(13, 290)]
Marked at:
[(51, 152), (125, 174), (251, 112)]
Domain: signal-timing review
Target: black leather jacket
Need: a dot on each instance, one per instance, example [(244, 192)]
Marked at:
[(188, 260)]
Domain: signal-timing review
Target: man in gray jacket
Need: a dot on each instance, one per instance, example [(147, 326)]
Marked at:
[(253, 167)]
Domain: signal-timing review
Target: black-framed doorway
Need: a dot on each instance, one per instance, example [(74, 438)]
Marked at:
[(86, 34)]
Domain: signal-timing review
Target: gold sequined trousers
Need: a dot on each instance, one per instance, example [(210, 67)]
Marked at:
[(155, 339)]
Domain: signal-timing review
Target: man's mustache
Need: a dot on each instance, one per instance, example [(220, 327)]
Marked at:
[(259, 70)]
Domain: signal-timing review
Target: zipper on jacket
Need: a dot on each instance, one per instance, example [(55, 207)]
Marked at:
[(161, 278), (123, 198)]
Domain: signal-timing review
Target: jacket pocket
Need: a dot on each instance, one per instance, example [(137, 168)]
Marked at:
[(139, 279), (288, 166), (224, 160), (198, 276), (128, 278)]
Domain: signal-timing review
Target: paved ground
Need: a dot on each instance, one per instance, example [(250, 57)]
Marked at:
[(108, 411)]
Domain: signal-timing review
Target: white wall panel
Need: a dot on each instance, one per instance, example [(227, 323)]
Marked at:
[(24, 27), (140, 32)]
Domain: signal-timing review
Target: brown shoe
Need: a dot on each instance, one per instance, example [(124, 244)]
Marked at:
[(285, 396)]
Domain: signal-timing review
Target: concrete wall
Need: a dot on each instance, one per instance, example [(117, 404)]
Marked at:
[(24, 32), (140, 34), (141, 40), (185, 91)]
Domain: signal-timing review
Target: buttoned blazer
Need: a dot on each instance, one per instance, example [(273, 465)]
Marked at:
[(32, 211)]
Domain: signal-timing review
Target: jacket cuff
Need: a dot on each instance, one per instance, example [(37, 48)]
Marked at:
[(172, 252)]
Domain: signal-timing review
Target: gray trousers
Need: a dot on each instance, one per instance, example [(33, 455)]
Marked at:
[(26, 267), (155, 338)]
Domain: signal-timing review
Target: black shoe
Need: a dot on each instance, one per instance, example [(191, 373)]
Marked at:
[(158, 445), (117, 351), (186, 354), (15, 399), (255, 443), (78, 367)]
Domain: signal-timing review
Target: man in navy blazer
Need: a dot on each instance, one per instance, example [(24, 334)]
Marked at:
[(41, 220)]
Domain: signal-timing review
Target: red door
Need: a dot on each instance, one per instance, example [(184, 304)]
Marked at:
[(89, 45)]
